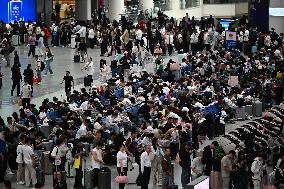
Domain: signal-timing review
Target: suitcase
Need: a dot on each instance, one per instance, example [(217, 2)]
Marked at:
[(47, 165), (104, 178), (47, 145), (133, 173), (248, 109), (77, 58), (45, 131), (88, 81), (15, 40), (86, 146), (88, 179), (73, 41), (215, 180), (240, 113), (40, 176), (257, 108)]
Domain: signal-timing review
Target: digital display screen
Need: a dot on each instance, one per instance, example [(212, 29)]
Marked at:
[(276, 11), (19, 10), (202, 185), (225, 23)]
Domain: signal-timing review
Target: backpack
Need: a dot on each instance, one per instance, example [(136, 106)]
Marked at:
[(51, 159)]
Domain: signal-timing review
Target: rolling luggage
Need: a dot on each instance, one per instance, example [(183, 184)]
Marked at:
[(248, 109), (44, 130), (172, 185), (240, 113), (77, 58), (104, 178), (47, 165), (88, 178), (133, 173), (15, 40), (40, 176), (88, 81), (257, 108)]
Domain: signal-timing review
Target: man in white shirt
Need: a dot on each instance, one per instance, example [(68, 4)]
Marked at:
[(29, 160), (146, 158), (26, 94), (97, 161)]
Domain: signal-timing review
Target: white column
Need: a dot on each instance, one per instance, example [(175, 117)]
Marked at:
[(116, 8), (83, 10), (146, 4)]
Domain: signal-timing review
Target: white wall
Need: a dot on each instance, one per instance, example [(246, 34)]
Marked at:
[(277, 22), (196, 12), (219, 10), (241, 8)]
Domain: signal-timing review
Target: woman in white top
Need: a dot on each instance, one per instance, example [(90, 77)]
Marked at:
[(97, 161), (91, 36), (104, 70), (121, 163), (89, 67)]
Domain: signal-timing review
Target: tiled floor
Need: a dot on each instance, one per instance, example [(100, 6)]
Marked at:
[(51, 87)]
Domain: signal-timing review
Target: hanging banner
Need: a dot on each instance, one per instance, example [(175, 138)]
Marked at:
[(231, 39)]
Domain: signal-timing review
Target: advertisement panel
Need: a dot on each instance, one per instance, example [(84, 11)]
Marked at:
[(19, 10)]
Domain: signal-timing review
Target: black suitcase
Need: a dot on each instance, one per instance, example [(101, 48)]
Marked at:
[(104, 178), (88, 81), (40, 176), (77, 58), (88, 178)]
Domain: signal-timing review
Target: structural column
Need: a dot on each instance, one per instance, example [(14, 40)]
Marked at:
[(116, 8), (83, 10), (146, 5)]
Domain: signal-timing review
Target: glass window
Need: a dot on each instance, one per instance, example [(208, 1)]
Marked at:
[(184, 4), (163, 5)]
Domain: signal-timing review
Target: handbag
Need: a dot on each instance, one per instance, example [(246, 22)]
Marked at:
[(174, 67), (121, 179)]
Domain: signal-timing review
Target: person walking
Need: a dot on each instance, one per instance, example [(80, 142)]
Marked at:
[(20, 160), (82, 49), (29, 160), (156, 163), (257, 169), (69, 83), (48, 60), (26, 94), (104, 70), (28, 76), (6, 51), (125, 62), (16, 78), (122, 163), (32, 44), (146, 158)]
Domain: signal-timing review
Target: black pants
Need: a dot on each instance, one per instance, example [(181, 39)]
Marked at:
[(16, 84), (26, 102), (121, 186), (96, 175), (32, 50), (78, 178), (146, 177), (3, 167), (170, 49)]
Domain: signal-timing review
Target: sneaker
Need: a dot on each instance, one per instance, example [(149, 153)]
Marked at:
[(44, 75), (21, 183)]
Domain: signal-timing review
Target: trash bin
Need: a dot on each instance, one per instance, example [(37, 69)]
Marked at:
[(104, 178)]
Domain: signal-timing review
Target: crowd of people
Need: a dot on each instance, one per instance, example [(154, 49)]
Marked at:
[(147, 118)]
